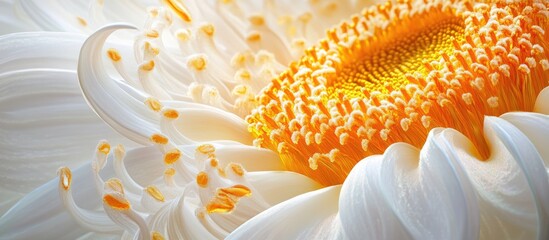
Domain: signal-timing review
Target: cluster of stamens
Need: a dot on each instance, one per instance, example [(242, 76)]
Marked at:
[(398, 70)]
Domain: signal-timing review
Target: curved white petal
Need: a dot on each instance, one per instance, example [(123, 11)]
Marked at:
[(10, 21), (542, 102), (78, 15), (273, 185), (290, 219), (531, 164), (31, 219), (123, 111), (206, 124), (44, 120), (55, 15)]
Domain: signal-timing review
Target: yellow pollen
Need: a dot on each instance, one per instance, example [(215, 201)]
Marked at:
[(82, 21), (213, 162), (202, 179), (104, 147), (116, 202), (237, 169), (147, 66), (153, 104), (253, 37), (395, 71), (152, 34), (206, 149), (155, 193), (156, 236), (150, 49), (171, 114), (237, 191), (159, 139), (257, 20), (197, 62), (170, 172), (226, 198), (116, 185), (114, 55), (180, 9), (65, 177), (172, 156), (208, 29)]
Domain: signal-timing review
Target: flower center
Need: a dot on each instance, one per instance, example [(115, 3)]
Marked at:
[(393, 73), (400, 50)]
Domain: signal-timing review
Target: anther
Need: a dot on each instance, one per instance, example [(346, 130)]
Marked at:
[(114, 55), (159, 139), (172, 156)]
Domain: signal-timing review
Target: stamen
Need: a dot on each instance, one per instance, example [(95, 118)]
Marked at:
[(115, 185), (65, 177), (159, 139), (170, 113), (156, 236), (172, 156), (197, 62), (153, 104), (202, 179), (155, 193), (389, 76), (114, 55), (180, 9), (116, 202)]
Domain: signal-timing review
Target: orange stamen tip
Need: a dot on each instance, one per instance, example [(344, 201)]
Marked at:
[(104, 147), (208, 29), (206, 149), (159, 139), (156, 236), (153, 104), (114, 55), (154, 192), (237, 169), (170, 113), (237, 191), (179, 8), (115, 185), (172, 156), (116, 202), (202, 179), (65, 177), (169, 172), (147, 66), (213, 162), (197, 62)]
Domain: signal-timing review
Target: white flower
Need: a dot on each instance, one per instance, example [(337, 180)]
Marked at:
[(383, 123)]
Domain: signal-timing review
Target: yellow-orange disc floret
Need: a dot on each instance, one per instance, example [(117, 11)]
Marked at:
[(398, 70)]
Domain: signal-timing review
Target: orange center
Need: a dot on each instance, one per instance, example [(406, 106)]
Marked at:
[(393, 73)]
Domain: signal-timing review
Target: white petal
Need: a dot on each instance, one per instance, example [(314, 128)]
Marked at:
[(535, 127), (531, 164), (362, 201), (542, 102), (45, 122), (274, 186), (54, 15), (123, 111), (10, 21), (289, 219), (31, 219), (206, 124)]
